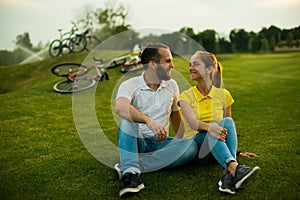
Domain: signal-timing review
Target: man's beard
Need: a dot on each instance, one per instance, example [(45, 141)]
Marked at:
[(162, 73)]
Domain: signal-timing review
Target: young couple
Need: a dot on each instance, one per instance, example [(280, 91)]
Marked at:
[(149, 103)]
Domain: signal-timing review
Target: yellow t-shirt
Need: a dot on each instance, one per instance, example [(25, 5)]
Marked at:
[(208, 108)]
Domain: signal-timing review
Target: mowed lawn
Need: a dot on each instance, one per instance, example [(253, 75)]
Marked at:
[(43, 156)]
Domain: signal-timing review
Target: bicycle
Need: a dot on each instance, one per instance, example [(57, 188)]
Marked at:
[(77, 77), (62, 45), (84, 41)]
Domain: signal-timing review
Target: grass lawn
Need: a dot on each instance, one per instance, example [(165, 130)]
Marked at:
[(43, 156)]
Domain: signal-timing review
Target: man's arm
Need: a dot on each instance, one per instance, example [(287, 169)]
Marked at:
[(177, 123), (127, 111)]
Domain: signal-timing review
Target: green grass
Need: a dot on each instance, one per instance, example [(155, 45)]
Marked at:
[(43, 157)]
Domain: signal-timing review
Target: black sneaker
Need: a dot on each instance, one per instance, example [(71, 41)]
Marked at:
[(226, 184), (131, 183), (118, 172), (243, 175)]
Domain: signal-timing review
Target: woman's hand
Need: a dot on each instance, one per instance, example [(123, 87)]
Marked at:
[(247, 154), (217, 132)]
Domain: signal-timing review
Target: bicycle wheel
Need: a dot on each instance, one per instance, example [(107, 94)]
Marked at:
[(55, 48), (66, 69), (66, 46), (92, 42), (66, 86), (77, 44)]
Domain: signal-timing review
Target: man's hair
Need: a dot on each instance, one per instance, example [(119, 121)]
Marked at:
[(151, 53)]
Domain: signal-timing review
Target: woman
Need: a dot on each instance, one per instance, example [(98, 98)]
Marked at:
[(207, 110)]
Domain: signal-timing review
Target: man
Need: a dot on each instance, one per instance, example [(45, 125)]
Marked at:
[(147, 105)]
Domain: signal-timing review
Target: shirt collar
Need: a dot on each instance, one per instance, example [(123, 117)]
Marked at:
[(142, 82), (200, 96), (144, 85)]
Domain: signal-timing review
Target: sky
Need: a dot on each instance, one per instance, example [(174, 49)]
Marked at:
[(42, 18)]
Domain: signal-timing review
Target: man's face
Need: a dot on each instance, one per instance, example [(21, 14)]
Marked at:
[(165, 65)]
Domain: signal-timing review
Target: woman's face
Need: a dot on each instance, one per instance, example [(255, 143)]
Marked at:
[(197, 68)]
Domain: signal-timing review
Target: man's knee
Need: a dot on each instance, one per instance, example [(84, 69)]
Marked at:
[(191, 150), (128, 127)]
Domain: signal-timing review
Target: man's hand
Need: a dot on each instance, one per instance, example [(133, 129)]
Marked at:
[(217, 132), (160, 132)]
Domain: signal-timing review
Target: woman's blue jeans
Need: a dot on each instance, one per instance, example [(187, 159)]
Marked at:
[(223, 152), (139, 154)]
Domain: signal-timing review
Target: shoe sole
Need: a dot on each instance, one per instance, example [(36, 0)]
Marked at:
[(220, 183), (131, 190), (226, 190), (118, 173), (244, 181)]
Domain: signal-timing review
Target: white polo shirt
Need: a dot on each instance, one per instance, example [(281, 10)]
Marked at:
[(157, 104)]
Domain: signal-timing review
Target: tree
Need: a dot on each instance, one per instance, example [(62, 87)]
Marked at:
[(250, 44), (296, 35), (224, 46), (125, 41), (208, 40), (254, 42), (272, 43), (188, 31), (6, 58), (273, 31), (290, 39), (265, 45), (239, 39), (23, 40), (269, 32), (179, 43), (112, 20)]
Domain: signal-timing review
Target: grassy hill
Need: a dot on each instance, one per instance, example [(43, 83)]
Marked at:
[(43, 156)]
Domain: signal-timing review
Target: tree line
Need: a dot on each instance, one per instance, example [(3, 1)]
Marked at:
[(112, 20), (266, 40)]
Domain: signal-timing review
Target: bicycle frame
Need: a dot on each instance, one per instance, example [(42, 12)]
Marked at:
[(58, 46), (72, 41), (80, 80)]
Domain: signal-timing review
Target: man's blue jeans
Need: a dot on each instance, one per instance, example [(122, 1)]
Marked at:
[(223, 152), (139, 154)]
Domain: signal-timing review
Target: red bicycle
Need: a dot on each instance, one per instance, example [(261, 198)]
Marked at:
[(79, 77)]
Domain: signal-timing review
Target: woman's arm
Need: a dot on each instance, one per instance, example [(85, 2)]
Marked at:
[(217, 132), (227, 112), (190, 117)]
